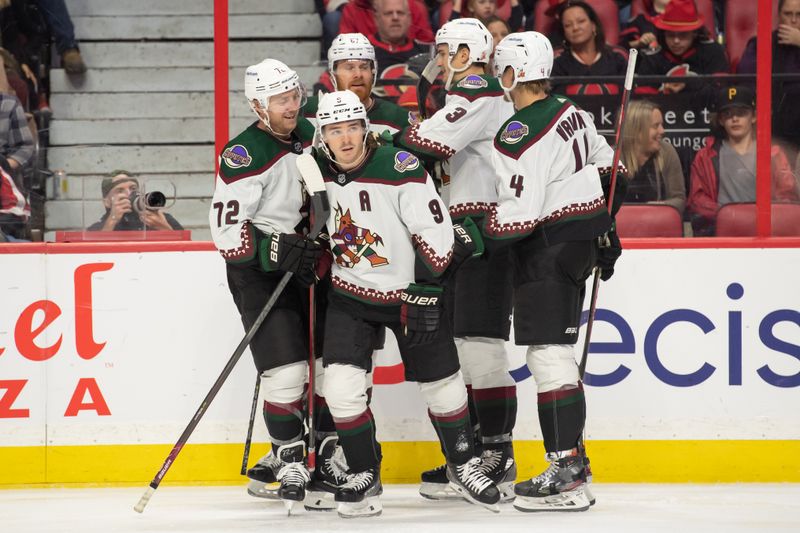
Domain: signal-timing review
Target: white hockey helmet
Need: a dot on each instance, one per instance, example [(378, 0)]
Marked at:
[(335, 107), (269, 78), (351, 46), (528, 53), (469, 32)]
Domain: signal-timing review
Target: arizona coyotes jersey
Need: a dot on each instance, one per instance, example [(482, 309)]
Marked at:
[(387, 222), (258, 186), (382, 115), (546, 158), (463, 132)]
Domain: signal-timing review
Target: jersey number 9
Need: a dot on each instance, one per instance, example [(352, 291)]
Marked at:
[(436, 211)]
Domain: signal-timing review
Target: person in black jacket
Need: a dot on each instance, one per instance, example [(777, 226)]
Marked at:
[(120, 213)]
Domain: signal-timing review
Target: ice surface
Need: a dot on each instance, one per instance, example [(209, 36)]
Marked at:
[(629, 507)]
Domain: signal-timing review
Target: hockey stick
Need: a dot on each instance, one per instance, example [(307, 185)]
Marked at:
[(612, 189), (249, 438), (319, 201), (319, 216), (429, 75)]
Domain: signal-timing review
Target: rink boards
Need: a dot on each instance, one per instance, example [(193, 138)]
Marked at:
[(107, 350)]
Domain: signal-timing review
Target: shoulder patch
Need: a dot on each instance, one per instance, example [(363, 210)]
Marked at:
[(405, 161), (473, 81), (514, 132), (413, 118), (236, 156)]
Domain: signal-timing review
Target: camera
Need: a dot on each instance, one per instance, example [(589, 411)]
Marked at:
[(151, 201)]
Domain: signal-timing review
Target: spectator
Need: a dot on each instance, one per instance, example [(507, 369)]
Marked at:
[(392, 44), (652, 162), (785, 60), (120, 214), (358, 16), (330, 22), (724, 171), (640, 32), (24, 33), (483, 10), (61, 28), (684, 49), (499, 29), (16, 140), (15, 211), (585, 52)]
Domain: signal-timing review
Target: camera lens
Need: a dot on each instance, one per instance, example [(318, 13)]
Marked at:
[(155, 199)]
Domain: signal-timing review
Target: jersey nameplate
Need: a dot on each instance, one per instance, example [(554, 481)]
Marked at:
[(405, 161), (236, 156)]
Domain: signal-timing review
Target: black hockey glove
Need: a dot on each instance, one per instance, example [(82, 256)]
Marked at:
[(467, 243), (292, 253), (608, 251), (420, 312)]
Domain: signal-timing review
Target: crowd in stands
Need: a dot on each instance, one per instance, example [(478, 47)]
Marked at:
[(688, 40)]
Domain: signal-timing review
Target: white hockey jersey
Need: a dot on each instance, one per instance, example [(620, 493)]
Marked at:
[(547, 157), (463, 132), (387, 222), (258, 186)]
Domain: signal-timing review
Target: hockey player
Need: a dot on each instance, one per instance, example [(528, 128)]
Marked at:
[(391, 239), (551, 210), (352, 66), (462, 132), (256, 222)]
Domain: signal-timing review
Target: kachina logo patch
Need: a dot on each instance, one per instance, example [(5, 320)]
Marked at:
[(514, 132), (236, 156), (405, 161), (473, 81)]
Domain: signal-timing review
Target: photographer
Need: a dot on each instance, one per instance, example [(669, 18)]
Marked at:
[(121, 214)]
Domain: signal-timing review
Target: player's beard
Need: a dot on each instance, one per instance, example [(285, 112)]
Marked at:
[(362, 91)]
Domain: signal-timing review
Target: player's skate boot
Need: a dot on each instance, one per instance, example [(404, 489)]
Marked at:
[(468, 480), (331, 473), (436, 486), (293, 475), (587, 467), (264, 477), (561, 487), (497, 463), (360, 494)]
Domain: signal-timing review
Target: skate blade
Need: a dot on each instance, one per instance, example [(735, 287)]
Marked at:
[(506, 491), (268, 491), (572, 501), (438, 492), (589, 494), (368, 507), (319, 501), (493, 507)]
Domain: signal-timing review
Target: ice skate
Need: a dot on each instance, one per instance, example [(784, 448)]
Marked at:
[(293, 475), (360, 494), (561, 487), (497, 463), (436, 486), (264, 477), (331, 473), (468, 480)]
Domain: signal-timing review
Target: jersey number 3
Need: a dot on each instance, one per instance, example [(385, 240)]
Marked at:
[(230, 216)]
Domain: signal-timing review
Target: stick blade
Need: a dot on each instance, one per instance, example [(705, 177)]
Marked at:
[(309, 171), (139, 507)]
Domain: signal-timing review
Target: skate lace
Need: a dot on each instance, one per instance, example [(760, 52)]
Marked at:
[(359, 481), (490, 460), (294, 474), (472, 477), (270, 461), (547, 475), (336, 465)]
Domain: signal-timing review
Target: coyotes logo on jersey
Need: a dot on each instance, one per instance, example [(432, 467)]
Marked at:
[(351, 242)]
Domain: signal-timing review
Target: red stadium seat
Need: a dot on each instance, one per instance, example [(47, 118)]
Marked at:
[(739, 220), (740, 25), (649, 220), (606, 10), (705, 7)]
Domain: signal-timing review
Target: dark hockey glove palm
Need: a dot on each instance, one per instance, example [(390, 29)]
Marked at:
[(290, 252), (608, 251), (420, 313)]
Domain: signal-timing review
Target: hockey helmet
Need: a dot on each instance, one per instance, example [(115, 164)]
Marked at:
[(335, 107), (351, 46), (529, 54), (470, 33), (269, 78)]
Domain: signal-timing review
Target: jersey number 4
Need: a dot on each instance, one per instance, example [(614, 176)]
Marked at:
[(516, 184), (230, 216)]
